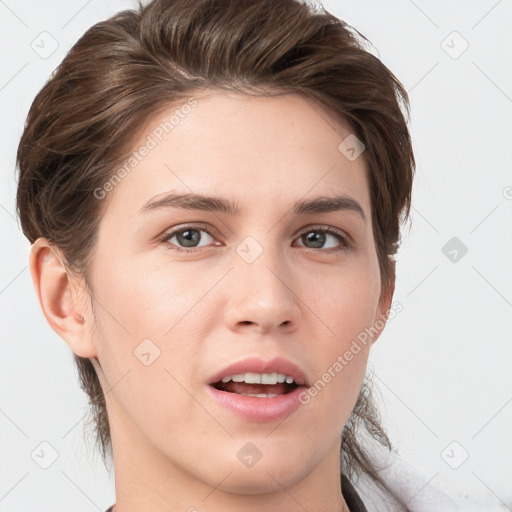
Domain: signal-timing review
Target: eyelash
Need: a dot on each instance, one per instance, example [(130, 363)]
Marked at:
[(344, 242)]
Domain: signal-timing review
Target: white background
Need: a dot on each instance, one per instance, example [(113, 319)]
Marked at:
[(442, 366)]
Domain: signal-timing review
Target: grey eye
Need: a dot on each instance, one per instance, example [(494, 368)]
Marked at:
[(189, 237), (316, 239)]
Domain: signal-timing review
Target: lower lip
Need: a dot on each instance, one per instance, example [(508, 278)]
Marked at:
[(259, 409)]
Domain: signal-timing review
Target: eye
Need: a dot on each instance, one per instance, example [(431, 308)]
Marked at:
[(187, 237), (325, 238)]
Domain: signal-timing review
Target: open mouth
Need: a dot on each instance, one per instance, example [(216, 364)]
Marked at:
[(256, 390), (256, 377), (268, 396)]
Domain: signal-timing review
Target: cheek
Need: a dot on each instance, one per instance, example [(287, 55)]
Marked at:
[(347, 300), (150, 338), (347, 305), (151, 323), (152, 299)]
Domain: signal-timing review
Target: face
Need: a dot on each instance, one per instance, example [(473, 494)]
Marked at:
[(184, 288)]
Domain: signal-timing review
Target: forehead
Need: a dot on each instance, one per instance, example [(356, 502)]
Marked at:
[(256, 150)]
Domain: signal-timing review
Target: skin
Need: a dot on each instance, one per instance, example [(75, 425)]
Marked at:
[(174, 447)]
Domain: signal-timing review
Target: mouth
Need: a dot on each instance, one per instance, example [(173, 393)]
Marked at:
[(259, 378), (257, 390), (264, 385)]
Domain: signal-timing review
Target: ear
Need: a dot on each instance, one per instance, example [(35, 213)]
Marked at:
[(60, 298), (384, 304)]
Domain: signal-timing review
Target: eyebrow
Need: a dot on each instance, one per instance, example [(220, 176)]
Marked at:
[(323, 204)]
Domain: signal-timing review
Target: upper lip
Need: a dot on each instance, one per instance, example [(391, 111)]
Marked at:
[(256, 365)]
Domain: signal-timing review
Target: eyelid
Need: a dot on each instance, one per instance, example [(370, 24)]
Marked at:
[(344, 238)]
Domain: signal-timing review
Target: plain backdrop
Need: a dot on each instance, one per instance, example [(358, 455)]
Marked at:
[(443, 365)]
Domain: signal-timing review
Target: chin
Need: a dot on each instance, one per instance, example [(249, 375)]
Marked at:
[(263, 481)]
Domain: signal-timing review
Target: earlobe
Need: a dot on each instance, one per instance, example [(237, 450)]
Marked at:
[(58, 302)]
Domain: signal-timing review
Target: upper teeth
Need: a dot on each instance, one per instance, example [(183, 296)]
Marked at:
[(259, 378)]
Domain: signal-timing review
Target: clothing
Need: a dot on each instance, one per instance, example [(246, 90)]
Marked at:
[(352, 499), (350, 496)]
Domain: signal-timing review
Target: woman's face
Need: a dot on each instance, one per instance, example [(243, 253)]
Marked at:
[(182, 289)]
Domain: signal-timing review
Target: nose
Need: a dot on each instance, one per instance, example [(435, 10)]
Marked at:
[(263, 295)]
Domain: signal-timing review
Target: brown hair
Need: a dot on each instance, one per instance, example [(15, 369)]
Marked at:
[(125, 69)]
